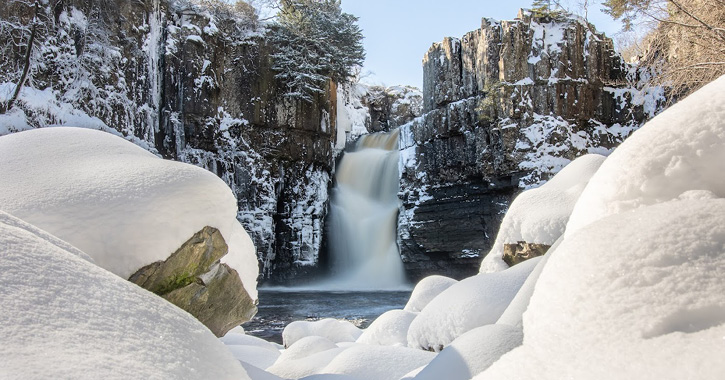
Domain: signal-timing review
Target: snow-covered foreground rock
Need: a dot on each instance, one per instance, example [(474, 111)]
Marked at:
[(116, 201), (130, 211), (64, 317)]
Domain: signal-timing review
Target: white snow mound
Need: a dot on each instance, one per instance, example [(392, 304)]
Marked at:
[(540, 215), (636, 295), (115, 201), (364, 361), (473, 302), (427, 289), (64, 317), (389, 329), (332, 329), (681, 149)]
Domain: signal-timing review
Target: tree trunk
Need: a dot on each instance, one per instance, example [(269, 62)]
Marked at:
[(26, 68)]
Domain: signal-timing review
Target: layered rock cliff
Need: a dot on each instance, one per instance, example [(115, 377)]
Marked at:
[(505, 108)]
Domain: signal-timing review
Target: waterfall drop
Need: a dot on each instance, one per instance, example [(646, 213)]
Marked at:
[(363, 217)]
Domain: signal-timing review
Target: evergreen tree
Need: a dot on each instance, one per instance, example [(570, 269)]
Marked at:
[(314, 42)]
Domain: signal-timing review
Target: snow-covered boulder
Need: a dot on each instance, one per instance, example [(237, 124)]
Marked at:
[(250, 349), (295, 368), (473, 302), (681, 149), (364, 361), (64, 317), (389, 329), (472, 352), (513, 315), (427, 289), (538, 217), (128, 209), (636, 295), (332, 329)]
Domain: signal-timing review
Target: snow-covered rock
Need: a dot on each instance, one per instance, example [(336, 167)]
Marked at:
[(389, 329), (539, 216), (305, 347), (377, 362), (473, 302), (472, 352), (64, 317), (681, 149), (305, 366), (332, 329), (427, 289), (637, 294), (513, 315), (120, 204)]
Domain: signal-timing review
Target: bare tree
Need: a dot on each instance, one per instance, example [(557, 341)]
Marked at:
[(26, 61)]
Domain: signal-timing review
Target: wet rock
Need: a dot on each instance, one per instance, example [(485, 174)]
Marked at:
[(521, 251)]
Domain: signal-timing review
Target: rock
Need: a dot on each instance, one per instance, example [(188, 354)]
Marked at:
[(522, 251), (505, 108), (193, 279)]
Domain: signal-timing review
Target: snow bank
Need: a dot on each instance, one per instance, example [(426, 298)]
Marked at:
[(634, 295), (378, 362), (306, 366), (427, 289), (250, 349), (64, 317), (476, 301), (115, 201), (332, 329), (540, 215), (307, 346), (389, 329), (513, 316), (680, 149), (472, 352)]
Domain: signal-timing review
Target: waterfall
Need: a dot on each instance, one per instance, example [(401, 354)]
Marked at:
[(363, 217)]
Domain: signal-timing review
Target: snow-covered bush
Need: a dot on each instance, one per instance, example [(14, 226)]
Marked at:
[(473, 302), (64, 317), (540, 215), (115, 201)]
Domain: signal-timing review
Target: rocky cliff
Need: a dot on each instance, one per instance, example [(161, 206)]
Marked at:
[(505, 107), (193, 84)]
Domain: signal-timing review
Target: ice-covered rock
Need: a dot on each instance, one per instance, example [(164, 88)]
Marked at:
[(128, 209), (472, 352), (389, 329), (679, 150), (427, 289), (332, 329), (64, 317), (538, 216), (473, 302)]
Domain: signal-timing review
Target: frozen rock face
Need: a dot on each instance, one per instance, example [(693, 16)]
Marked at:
[(193, 279), (505, 108), (195, 85), (392, 107)]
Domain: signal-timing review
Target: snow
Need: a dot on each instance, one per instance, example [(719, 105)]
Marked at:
[(332, 329), (475, 301), (637, 294), (680, 149), (309, 365), (472, 352), (513, 316), (389, 329), (307, 346), (115, 201), (540, 215), (427, 289), (377, 362), (64, 317)]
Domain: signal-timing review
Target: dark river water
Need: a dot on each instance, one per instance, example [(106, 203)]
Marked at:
[(278, 308)]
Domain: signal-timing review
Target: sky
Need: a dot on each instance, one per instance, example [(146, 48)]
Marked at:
[(399, 32)]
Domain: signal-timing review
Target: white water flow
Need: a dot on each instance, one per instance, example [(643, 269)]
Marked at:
[(363, 217)]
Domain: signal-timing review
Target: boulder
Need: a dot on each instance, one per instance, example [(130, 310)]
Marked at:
[(193, 279)]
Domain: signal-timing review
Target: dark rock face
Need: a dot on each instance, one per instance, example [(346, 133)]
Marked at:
[(193, 279), (505, 107), (392, 107)]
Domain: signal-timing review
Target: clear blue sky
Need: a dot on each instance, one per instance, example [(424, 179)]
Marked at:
[(399, 32)]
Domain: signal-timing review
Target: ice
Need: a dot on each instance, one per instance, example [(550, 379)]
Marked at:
[(427, 289), (64, 317), (540, 215), (115, 201), (473, 302), (389, 329)]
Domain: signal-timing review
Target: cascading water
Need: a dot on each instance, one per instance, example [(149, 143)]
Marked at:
[(363, 216)]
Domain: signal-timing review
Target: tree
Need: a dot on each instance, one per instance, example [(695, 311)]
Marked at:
[(686, 38), (544, 9), (27, 57), (314, 42)]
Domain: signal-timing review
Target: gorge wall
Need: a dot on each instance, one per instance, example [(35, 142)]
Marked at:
[(505, 108)]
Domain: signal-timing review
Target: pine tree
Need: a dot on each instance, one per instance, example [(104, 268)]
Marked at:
[(315, 42)]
